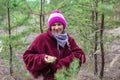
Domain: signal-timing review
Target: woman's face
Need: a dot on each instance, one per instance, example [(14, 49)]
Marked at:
[(57, 28)]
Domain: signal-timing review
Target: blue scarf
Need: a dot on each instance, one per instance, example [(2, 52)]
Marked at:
[(61, 38)]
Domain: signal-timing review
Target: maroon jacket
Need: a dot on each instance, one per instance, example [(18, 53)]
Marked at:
[(45, 43)]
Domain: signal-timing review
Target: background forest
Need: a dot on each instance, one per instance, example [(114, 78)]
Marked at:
[(94, 24)]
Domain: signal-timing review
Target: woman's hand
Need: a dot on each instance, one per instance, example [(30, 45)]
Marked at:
[(50, 59)]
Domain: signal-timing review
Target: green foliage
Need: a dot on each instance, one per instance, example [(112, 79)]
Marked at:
[(2, 8), (71, 73), (105, 8)]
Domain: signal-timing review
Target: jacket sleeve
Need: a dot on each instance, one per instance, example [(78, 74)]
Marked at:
[(76, 52), (33, 57)]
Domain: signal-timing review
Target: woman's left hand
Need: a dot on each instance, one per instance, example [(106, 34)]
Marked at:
[(50, 59)]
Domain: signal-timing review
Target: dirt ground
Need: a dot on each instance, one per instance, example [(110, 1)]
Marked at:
[(112, 60)]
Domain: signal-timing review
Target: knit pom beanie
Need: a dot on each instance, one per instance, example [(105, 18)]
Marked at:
[(56, 16)]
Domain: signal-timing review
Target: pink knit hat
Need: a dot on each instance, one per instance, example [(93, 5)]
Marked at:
[(56, 16)]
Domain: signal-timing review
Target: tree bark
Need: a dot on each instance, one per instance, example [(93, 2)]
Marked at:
[(94, 20), (95, 55), (10, 46), (102, 46), (41, 17)]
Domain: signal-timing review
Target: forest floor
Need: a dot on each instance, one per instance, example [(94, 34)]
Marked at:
[(112, 63), (112, 60)]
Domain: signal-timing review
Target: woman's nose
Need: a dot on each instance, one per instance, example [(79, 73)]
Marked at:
[(56, 27)]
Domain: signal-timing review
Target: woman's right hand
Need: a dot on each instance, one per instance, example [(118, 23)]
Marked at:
[(50, 59)]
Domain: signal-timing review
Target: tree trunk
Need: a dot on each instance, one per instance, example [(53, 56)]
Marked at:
[(41, 17), (94, 20), (102, 46), (95, 55), (96, 40), (10, 46)]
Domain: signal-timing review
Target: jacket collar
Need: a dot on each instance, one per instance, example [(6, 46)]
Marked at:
[(49, 33)]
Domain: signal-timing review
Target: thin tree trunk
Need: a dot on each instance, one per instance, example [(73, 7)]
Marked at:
[(94, 20), (95, 45), (93, 17), (95, 55), (10, 46), (96, 41), (102, 46), (41, 18)]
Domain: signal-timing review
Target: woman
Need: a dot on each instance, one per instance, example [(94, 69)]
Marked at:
[(52, 50)]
